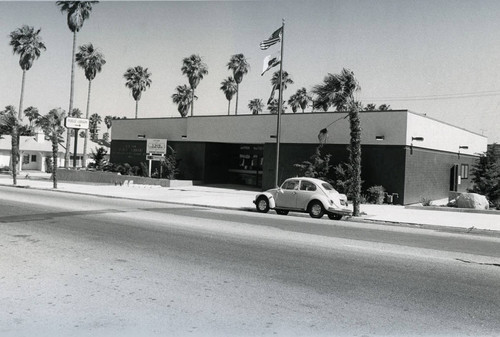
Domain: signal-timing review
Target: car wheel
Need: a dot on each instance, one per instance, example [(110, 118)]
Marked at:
[(281, 212), (262, 204), (334, 216), (316, 209)]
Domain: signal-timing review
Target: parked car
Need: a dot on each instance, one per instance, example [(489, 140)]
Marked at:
[(304, 194)]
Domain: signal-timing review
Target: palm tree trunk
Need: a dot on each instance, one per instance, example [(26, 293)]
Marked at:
[(237, 93), (228, 107), (355, 158), (22, 96), (192, 103), (71, 91), (136, 108), (84, 161), (54, 159), (14, 152)]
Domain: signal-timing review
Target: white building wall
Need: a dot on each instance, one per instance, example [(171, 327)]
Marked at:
[(442, 136)]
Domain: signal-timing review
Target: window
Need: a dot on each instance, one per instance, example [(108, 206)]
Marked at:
[(26, 159), (33, 158), (464, 171), (291, 185), (307, 186)]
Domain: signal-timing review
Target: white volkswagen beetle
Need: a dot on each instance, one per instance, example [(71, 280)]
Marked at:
[(304, 194)]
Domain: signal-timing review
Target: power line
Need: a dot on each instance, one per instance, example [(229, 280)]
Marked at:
[(436, 97)]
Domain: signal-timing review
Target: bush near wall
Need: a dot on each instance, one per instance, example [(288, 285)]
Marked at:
[(375, 195)]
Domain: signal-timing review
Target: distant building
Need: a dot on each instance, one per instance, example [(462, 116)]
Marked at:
[(411, 155), (36, 150)]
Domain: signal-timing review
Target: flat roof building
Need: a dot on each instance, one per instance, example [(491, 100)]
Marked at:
[(409, 154)]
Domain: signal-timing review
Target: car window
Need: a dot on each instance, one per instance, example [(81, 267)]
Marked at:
[(328, 187), (307, 186), (290, 185)]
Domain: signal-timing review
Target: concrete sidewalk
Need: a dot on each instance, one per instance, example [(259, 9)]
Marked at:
[(231, 197)]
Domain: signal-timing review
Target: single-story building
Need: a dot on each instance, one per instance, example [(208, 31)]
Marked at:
[(36, 150), (411, 155)]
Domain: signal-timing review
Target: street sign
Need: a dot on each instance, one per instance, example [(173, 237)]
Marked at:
[(76, 123), (156, 146), (155, 157)]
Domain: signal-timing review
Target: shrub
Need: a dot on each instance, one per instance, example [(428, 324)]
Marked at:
[(375, 194), (426, 201), (169, 166), (317, 166), (99, 158)]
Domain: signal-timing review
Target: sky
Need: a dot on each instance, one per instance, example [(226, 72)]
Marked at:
[(440, 58)]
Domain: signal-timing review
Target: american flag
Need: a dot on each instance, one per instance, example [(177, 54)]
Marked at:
[(274, 38)]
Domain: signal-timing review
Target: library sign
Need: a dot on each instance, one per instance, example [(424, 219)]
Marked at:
[(156, 146)]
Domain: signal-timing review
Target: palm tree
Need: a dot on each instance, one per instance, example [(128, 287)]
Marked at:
[(194, 68), (77, 12), (240, 66), (273, 106), (27, 43), (338, 90), (32, 114), (229, 87), (91, 61), (138, 80), (303, 98), (255, 105), (183, 97), (9, 125), (51, 125), (293, 102), (94, 122), (286, 80)]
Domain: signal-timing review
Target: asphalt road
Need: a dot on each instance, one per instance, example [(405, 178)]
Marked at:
[(73, 265)]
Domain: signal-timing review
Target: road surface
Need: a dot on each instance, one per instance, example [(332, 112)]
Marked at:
[(75, 265)]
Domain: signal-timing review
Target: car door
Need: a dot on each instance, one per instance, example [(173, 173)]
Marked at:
[(287, 195), (306, 191)]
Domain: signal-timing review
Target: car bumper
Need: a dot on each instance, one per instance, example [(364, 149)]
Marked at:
[(342, 211)]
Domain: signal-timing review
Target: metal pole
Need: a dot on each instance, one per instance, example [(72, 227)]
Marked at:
[(76, 147), (280, 107)]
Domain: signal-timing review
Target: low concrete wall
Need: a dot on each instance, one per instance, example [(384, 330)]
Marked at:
[(113, 178)]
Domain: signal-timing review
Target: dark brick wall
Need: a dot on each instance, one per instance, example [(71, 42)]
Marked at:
[(380, 165), (428, 174)]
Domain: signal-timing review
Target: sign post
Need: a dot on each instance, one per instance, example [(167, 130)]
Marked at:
[(156, 150), (76, 124)]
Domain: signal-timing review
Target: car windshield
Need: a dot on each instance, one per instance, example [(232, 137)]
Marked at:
[(328, 187)]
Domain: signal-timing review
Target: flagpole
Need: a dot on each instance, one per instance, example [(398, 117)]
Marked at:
[(280, 107)]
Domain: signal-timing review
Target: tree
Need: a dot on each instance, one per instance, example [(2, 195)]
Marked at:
[(240, 67), (32, 114), (255, 105), (52, 126), (183, 97), (273, 106), (27, 43), (317, 166), (303, 98), (138, 80), (229, 87), (77, 12), (194, 68), (338, 90), (94, 122), (10, 125), (286, 80), (370, 107), (91, 61), (108, 120), (99, 158), (384, 107), (486, 175)]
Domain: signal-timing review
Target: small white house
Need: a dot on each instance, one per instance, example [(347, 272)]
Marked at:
[(35, 151)]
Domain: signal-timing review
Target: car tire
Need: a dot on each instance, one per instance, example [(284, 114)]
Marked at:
[(262, 204), (281, 211), (334, 216), (316, 209)]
